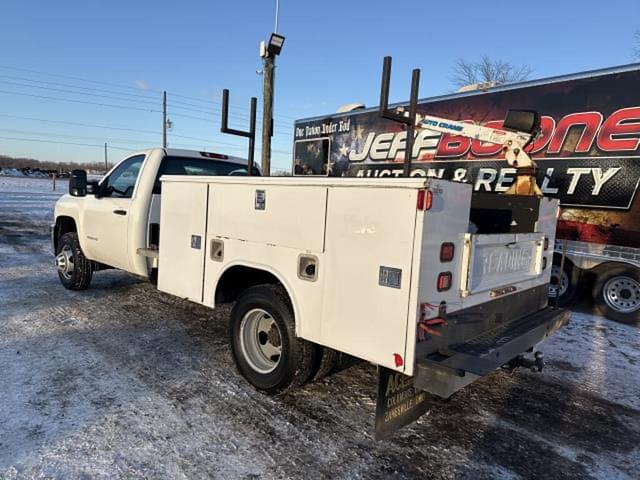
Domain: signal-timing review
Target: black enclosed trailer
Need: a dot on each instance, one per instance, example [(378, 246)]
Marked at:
[(587, 153)]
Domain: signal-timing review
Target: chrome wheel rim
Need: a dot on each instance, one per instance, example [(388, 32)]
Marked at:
[(622, 294), (558, 282), (65, 263), (260, 341)]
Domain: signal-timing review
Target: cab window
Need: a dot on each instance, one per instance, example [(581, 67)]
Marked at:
[(197, 166), (122, 181)]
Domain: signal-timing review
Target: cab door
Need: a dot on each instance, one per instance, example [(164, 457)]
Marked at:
[(106, 215)]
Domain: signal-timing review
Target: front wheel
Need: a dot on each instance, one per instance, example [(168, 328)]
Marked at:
[(263, 341), (616, 294), (74, 269)]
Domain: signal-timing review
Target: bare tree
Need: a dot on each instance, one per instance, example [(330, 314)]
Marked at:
[(33, 164), (488, 71)]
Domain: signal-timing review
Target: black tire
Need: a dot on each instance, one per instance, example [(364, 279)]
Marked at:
[(616, 294), (293, 366), (570, 283), (324, 363), (80, 277)]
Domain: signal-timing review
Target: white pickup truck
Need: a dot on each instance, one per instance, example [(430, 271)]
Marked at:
[(433, 283)]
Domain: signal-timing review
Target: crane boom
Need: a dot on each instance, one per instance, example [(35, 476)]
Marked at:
[(513, 144)]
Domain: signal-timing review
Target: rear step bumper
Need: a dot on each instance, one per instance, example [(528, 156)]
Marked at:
[(445, 372)]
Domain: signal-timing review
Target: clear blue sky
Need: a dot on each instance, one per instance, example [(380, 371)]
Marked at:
[(332, 55)]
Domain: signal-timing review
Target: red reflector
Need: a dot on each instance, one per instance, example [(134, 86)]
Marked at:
[(397, 359), (446, 251), (444, 281), (425, 199)]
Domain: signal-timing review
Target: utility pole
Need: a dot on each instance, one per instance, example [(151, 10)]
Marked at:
[(268, 72), (269, 51), (164, 119), (106, 165)]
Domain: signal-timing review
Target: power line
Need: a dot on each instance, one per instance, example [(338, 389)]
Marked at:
[(26, 79), (78, 101), (145, 102), (62, 135), (114, 85), (107, 127), (210, 141), (123, 129), (125, 107), (240, 107), (99, 82), (62, 143), (63, 90)]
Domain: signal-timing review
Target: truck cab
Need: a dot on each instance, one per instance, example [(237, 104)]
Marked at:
[(113, 218)]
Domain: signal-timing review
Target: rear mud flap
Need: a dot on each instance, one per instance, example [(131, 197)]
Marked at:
[(398, 402)]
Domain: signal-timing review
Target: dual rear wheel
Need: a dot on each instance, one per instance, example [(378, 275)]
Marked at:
[(264, 344)]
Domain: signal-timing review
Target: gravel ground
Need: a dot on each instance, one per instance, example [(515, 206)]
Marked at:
[(122, 381)]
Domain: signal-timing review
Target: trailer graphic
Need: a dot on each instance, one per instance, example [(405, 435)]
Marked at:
[(587, 154)]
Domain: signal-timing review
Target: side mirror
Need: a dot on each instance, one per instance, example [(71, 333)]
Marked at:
[(527, 121), (78, 183), (93, 187)]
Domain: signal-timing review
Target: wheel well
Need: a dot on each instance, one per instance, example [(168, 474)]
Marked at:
[(605, 267), (238, 278), (63, 225), (557, 258)]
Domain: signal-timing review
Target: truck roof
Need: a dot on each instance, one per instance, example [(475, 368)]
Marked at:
[(501, 88), (179, 152)]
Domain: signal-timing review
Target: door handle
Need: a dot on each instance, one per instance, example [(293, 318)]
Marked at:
[(120, 212)]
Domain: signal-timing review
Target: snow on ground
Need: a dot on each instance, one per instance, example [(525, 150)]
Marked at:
[(122, 381)]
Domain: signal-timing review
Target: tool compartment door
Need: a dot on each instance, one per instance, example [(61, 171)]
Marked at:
[(367, 266), (182, 239)]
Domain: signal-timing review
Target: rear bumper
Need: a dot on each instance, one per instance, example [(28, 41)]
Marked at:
[(448, 370)]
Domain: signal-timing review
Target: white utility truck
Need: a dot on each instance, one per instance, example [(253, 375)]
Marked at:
[(436, 286)]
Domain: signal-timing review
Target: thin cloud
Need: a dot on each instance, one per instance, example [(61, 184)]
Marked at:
[(142, 85)]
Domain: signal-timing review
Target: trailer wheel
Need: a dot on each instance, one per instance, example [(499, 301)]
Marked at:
[(74, 269), (616, 294), (263, 341), (563, 285)]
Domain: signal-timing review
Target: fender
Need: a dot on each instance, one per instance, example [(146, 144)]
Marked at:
[(266, 268), (68, 206)]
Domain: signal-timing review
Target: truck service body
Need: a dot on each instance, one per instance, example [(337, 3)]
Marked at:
[(587, 156), (435, 284)]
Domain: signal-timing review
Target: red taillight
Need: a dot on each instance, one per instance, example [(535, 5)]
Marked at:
[(214, 155), (447, 250), (444, 281), (425, 199)]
